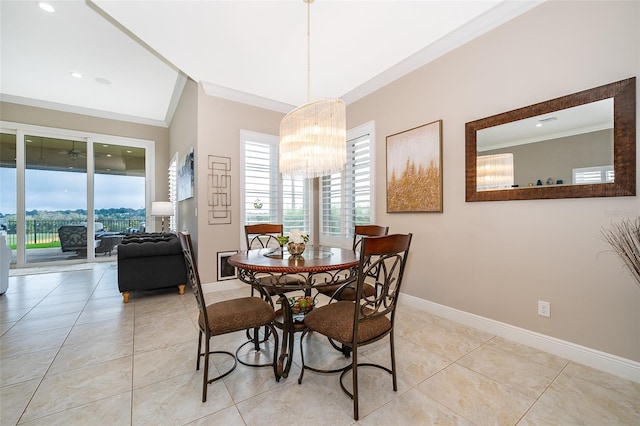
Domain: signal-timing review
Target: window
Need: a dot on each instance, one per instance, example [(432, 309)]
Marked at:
[(347, 197), (268, 198), (173, 191), (589, 175)]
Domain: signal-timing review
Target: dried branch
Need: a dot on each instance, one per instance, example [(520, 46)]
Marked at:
[(624, 237)]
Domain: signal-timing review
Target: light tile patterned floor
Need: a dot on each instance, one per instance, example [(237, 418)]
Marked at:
[(73, 354)]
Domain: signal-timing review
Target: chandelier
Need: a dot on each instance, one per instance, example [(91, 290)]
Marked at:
[(313, 136)]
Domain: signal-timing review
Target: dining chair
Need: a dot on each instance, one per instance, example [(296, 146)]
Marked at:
[(371, 318), (347, 291), (262, 235), (224, 317)]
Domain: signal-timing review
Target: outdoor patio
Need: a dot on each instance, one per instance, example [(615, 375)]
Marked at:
[(49, 255)]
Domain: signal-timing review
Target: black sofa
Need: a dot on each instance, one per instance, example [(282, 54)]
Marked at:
[(149, 261)]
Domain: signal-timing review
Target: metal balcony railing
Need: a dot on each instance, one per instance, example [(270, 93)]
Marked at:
[(43, 231)]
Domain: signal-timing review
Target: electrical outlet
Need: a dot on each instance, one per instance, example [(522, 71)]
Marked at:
[(544, 308)]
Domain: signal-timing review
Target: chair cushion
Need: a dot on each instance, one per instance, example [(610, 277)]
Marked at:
[(348, 293), (237, 314), (335, 321)]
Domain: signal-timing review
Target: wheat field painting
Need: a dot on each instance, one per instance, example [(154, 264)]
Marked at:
[(414, 170)]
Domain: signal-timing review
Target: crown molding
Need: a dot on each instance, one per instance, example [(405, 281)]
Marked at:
[(37, 103), (245, 98)]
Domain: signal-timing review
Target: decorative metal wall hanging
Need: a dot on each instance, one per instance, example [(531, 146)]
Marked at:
[(219, 190)]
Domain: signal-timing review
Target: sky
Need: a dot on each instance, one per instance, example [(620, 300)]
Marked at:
[(47, 190)]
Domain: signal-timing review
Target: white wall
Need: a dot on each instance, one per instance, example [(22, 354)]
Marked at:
[(183, 134), (497, 259)]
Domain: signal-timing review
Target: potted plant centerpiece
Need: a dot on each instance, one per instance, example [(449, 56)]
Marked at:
[(295, 241)]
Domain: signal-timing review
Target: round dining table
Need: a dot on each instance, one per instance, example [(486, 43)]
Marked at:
[(274, 272)]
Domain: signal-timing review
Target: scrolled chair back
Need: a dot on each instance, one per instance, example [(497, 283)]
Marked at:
[(262, 235), (382, 263), (192, 273), (361, 231)]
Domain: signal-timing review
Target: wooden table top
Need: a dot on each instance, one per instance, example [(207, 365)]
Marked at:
[(314, 259)]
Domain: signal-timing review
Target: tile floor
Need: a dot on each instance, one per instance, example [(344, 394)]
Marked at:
[(73, 354)]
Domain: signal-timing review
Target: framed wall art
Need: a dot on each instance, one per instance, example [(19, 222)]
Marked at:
[(185, 176), (414, 170), (226, 271)]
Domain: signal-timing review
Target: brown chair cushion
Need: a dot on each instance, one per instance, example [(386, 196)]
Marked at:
[(348, 293), (335, 321), (237, 314)]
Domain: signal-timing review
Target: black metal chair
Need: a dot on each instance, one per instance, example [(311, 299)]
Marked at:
[(369, 318), (347, 292), (263, 235), (225, 317)]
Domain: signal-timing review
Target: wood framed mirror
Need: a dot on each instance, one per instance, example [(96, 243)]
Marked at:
[(595, 156)]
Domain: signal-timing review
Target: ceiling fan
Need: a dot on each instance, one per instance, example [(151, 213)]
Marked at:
[(73, 153)]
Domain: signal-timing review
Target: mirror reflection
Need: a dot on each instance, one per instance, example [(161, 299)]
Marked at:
[(575, 146), (572, 146)]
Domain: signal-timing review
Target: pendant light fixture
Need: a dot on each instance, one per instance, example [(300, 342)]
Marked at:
[(313, 136)]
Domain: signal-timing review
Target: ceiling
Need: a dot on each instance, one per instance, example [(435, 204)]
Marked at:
[(135, 56)]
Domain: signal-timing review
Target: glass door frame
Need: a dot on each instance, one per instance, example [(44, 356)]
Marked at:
[(21, 130)]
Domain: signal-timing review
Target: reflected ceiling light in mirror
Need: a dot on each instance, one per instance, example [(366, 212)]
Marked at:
[(46, 7), (586, 118), (495, 171)]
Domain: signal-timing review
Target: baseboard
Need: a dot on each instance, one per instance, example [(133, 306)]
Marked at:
[(603, 361)]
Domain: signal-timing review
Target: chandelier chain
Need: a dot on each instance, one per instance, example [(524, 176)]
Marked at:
[(308, 50)]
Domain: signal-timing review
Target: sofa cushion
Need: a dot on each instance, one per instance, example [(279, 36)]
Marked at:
[(149, 245)]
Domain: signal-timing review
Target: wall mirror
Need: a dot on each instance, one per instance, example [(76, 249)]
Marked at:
[(576, 146)]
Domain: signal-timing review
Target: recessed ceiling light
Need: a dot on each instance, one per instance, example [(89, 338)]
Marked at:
[(46, 6), (75, 74)]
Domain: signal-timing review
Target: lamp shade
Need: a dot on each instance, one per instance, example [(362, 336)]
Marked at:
[(313, 139), (161, 208)]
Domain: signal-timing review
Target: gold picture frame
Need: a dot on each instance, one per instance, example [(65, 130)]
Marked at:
[(414, 170)]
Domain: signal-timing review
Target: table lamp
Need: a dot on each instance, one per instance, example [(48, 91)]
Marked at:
[(162, 209)]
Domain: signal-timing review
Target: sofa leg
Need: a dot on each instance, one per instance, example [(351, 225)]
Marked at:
[(125, 297), (181, 289)]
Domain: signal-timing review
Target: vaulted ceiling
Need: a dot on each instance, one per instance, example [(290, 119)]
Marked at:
[(134, 56)]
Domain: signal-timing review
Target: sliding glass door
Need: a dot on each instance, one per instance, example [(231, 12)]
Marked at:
[(55, 182), (71, 196), (8, 181)]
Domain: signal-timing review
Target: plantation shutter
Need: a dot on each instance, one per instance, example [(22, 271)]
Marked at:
[(346, 198), (260, 183), (268, 198), (173, 191)]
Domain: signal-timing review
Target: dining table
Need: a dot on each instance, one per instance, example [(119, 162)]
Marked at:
[(274, 271)]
